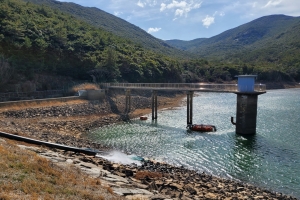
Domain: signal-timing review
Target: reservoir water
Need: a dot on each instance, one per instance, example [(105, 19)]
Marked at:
[(270, 159)]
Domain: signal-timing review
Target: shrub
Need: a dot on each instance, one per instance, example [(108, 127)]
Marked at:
[(84, 86), (143, 174)]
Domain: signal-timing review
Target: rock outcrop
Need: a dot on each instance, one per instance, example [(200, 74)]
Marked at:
[(154, 180)]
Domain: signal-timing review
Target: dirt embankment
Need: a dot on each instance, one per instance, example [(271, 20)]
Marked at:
[(67, 123)]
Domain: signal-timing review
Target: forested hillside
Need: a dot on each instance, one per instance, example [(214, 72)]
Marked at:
[(269, 45), (39, 41), (115, 25), (36, 39)]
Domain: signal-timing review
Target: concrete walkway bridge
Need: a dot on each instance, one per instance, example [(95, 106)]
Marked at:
[(199, 87), (247, 93)]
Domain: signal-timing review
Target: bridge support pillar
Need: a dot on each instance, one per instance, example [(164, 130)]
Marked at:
[(128, 101), (246, 113), (154, 104), (190, 95)]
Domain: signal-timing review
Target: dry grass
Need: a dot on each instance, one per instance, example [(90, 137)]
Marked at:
[(25, 175), (85, 86), (143, 174), (39, 104)]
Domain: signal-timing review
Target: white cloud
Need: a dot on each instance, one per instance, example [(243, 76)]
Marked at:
[(272, 3), (117, 13), (208, 21), (253, 8), (174, 4), (152, 3), (181, 8), (163, 6), (221, 14), (153, 30), (140, 4), (179, 12)]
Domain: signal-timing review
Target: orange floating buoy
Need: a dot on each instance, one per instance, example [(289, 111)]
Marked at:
[(143, 118), (202, 128)]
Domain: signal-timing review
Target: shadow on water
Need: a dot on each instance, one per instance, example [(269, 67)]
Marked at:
[(244, 161), (261, 161), (154, 123), (247, 142)]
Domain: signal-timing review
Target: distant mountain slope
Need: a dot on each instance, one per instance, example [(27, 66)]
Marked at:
[(258, 34), (185, 45), (268, 46), (115, 25)]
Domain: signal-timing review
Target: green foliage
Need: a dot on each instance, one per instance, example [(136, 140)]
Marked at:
[(115, 25), (39, 39), (6, 70)]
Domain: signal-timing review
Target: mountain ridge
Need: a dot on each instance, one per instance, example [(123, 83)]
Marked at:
[(250, 35), (39, 39)]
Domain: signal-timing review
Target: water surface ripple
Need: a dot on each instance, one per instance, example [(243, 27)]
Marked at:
[(270, 159)]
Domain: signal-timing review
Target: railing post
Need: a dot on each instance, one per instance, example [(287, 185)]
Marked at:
[(190, 95), (128, 101), (154, 104), (188, 108), (191, 107)]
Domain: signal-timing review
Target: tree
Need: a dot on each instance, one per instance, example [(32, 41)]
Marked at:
[(113, 72), (5, 70)]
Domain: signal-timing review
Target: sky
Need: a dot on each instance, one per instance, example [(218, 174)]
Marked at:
[(191, 19)]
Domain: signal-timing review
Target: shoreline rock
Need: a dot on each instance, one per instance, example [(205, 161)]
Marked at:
[(154, 180)]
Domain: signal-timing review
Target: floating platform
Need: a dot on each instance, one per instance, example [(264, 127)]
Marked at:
[(143, 118), (202, 128)]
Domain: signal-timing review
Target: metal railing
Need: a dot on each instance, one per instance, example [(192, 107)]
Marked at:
[(14, 96), (182, 86)]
